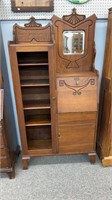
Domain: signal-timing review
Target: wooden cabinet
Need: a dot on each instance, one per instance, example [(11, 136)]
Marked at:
[(9, 148), (8, 151), (104, 139), (7, 162), (56, 104), (33, 77)]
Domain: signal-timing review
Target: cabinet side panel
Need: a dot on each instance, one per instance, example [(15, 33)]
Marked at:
[(18, 97)]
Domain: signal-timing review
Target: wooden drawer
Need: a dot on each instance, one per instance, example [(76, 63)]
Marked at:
[(77, 94), (76, 117), (78, 138)]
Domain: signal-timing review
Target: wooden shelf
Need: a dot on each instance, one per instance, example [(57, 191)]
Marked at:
[(37, 106), (32, 64), (34, 78), (39, 144), (41, 120), (30, 105), (34, 83), (38, 123)]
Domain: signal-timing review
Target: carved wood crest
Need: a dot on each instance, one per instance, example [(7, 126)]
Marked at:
[(74, 18), (32, 32)]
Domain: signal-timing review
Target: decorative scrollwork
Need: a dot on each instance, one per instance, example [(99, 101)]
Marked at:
[(61, 83), (77, 92), (76, 89), (92, 81)]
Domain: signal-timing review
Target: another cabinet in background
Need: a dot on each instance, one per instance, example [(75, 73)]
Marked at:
[(104, 139)]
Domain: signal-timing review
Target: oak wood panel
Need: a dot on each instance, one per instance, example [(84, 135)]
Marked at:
[(18, 96), (65, 118), (72, 138)]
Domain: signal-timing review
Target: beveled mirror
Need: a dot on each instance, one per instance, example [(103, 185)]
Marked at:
[(73, 42)]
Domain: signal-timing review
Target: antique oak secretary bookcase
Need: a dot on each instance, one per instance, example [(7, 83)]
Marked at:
[(56, 86)]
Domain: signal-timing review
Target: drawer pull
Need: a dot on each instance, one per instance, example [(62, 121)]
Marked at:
[(77, 82), (59, 134), (53, 98)]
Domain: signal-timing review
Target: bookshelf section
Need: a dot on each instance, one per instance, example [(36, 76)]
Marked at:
[(35, 89)]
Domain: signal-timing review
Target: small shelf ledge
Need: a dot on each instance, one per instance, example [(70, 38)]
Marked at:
[(37, 107), (34, 85), (38, 122), (32, 64)]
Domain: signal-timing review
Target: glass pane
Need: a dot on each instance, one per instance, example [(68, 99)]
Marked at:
[(73, 42)]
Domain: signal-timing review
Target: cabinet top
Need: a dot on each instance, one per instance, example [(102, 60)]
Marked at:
[(33, 32)]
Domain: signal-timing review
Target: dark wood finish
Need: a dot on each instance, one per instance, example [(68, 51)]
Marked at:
[(32, 5), (104, 139), (56, 106)]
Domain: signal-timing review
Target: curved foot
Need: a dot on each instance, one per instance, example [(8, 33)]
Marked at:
[(92, 157)]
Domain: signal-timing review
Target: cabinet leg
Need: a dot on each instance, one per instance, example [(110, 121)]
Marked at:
[(92, 157), (11, 174), (25, 163)]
